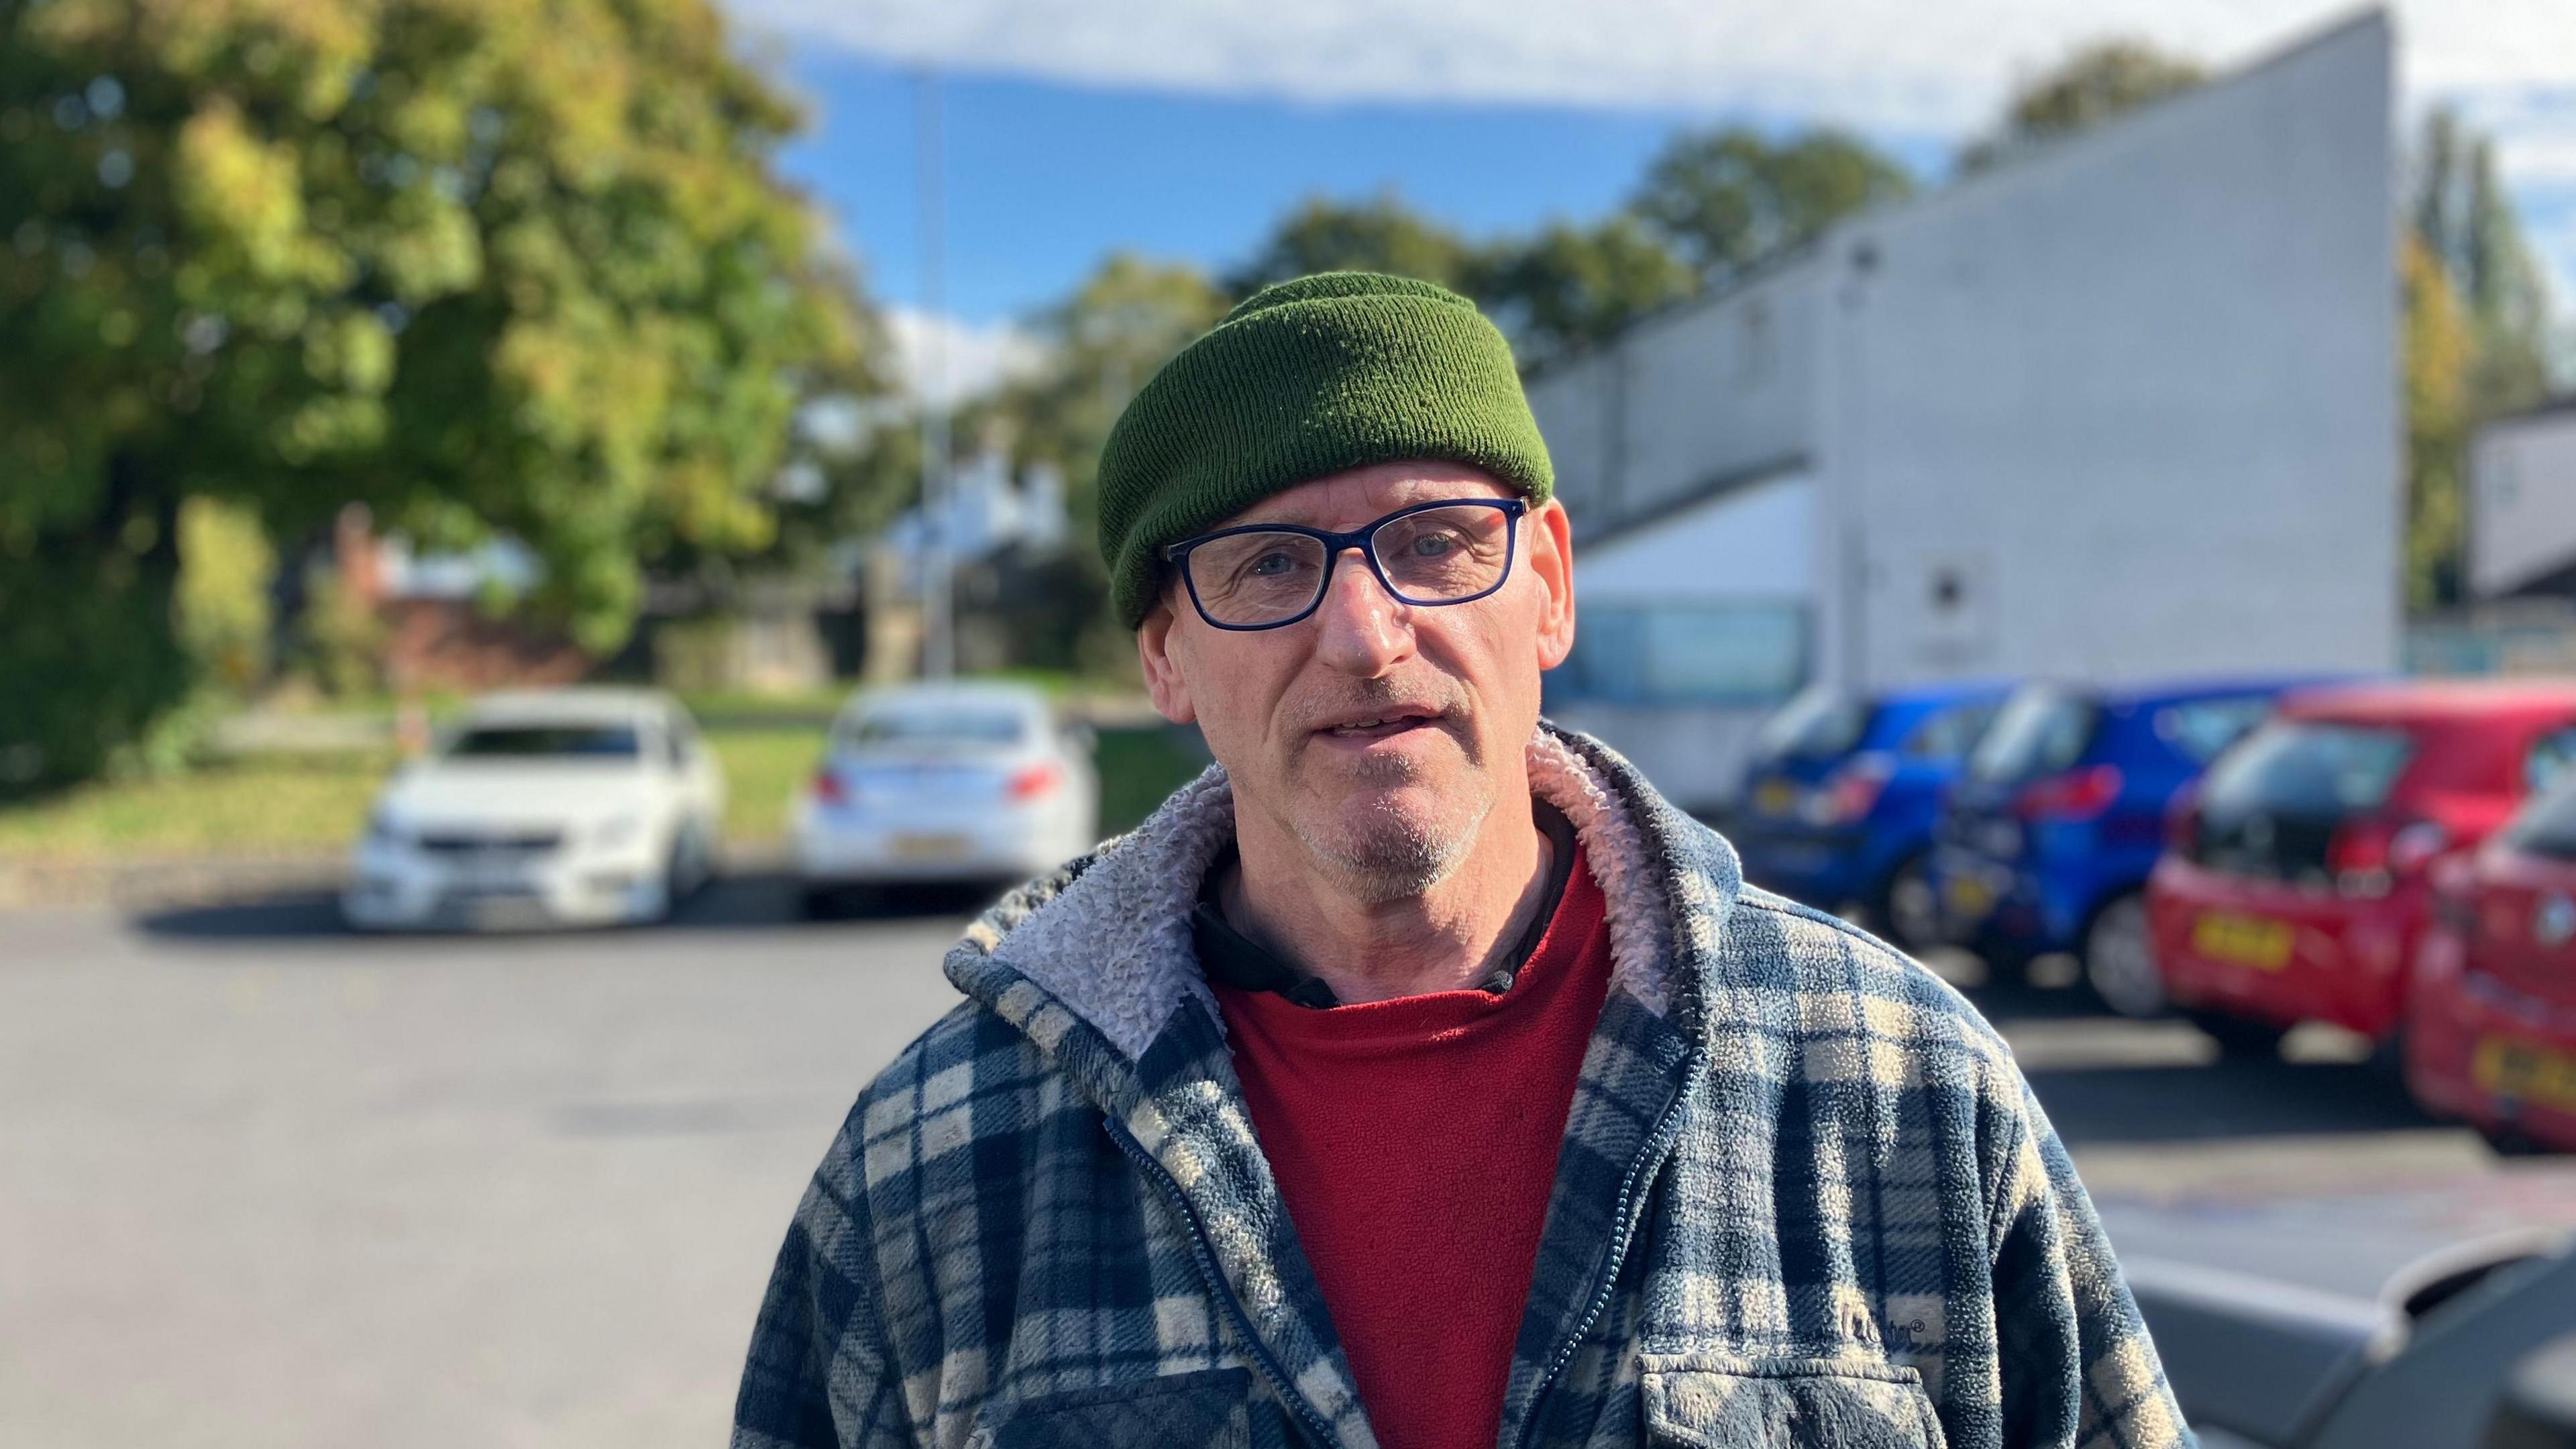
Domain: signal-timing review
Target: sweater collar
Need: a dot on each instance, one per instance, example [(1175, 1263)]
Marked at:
[(1230, 958)]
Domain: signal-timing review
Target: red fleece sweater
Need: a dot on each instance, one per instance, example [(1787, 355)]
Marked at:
[(1414, 1142)]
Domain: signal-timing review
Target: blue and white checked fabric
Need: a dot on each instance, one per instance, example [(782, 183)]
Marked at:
[(1804, 1196)]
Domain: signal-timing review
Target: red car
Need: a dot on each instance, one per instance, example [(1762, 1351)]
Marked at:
[(2294, 882), (2491, 1019)]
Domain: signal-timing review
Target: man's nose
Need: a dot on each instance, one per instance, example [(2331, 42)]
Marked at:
[(1360, 628)]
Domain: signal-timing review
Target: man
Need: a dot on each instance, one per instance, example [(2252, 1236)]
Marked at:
[(1417, 1077)]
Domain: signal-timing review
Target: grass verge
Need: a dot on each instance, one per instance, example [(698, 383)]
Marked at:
[(303, 804)]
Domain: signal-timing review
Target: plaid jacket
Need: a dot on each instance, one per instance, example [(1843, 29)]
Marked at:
[(1804, 1196)]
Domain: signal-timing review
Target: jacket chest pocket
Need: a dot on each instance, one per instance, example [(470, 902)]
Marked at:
[(1211, 1409), (1787, 1403)]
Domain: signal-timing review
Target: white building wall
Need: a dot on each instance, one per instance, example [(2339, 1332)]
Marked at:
[(1692, 398), (1749, 543), (2130, 406), (1574, 403), (2522, 509)]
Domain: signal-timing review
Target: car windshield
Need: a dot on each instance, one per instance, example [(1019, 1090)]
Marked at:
[(1819, 724), (940, 727), (2547, 827), (546, 741), (2037, 732), (2308, 770)]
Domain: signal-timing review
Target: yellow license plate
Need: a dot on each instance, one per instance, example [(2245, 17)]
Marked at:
[(930, 847), (1967, 897), (2242, 940), (1776, 797), (2528, 1074)]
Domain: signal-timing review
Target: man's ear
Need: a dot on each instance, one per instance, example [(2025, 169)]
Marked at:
[(1163, 679), (1551, 562)]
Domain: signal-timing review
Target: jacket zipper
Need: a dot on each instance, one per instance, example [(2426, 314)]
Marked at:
[(1297, 1403), (1650, 1158)]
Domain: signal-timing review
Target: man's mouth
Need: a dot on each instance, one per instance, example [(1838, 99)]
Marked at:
[(1381, 726)]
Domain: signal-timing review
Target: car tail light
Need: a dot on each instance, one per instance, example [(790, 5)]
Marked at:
[(2367, 856), (828, 789), (1034, 781), (1850, 793), (2075, 795)]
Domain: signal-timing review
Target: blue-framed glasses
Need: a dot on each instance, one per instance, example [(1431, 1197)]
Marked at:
[(1269, 575)]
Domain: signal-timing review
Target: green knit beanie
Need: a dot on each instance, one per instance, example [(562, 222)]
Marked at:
[(1325, 373)]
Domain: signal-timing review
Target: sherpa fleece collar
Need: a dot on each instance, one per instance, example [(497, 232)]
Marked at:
[(1108, 939)]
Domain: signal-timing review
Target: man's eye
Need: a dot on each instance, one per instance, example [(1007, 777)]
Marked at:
[(1271, 565), (1433, 545)]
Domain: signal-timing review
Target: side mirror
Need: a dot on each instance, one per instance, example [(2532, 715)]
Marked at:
[(2537, 1409)]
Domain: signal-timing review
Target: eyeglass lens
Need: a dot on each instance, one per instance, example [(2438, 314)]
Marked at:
[(1436, 556)]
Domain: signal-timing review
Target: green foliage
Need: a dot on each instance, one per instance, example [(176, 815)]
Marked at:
[(225, 568), (2098, 82), (342, 640), (2477, 329), (1381, 234), (1570, 285), (1732, 198), (486, 266), (2466, 221), (2440, 345), (1101, 344)]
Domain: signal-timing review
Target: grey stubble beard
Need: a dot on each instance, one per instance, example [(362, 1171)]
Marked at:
[(1401, 855)]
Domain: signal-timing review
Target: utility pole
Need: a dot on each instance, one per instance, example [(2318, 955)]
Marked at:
[(938, 632)]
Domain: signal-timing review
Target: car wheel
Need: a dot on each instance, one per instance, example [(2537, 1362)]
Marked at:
[(2510, 1141), (2120, 959), (2239, 1040), (1909, 907), (692, 863)]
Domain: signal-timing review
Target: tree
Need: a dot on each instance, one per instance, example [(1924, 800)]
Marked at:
[(1569, 286), (486, 267), (2477, 330), (2467, 224), (1101, 345), (2098, 82), (1381, 234), (1731, 199), (2439, 347)]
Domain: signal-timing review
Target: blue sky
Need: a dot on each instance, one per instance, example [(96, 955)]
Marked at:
[(1043, 178), (1184, 128)]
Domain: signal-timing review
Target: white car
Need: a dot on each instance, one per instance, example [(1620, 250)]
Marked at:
[(586, 806), (945, 782)]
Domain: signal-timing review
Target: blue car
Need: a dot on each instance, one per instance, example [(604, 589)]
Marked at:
[(1842, 794), (2060, 814)]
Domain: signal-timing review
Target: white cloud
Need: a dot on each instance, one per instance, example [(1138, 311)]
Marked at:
[(1891, 66), (950, 360), (1883, 64)]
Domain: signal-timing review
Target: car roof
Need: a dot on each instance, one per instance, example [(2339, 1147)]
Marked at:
[(584, 703), (2150, 693), (1950, 691), (987, 693), (2436, 699)]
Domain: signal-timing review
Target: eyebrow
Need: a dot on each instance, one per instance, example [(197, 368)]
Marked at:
[(1427, 493)]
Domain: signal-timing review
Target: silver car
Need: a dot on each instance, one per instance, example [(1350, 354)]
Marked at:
[(945, 782)]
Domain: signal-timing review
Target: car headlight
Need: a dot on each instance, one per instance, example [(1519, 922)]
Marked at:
[(617, 830), (383, 829)]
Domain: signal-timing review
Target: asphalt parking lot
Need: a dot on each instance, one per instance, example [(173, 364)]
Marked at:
[(264, 1183)]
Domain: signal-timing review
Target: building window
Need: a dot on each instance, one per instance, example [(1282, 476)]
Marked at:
[(1737, 652)]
